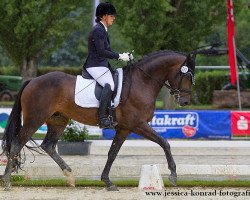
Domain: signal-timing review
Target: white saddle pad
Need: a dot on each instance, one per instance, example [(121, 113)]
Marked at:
[(85, 92)]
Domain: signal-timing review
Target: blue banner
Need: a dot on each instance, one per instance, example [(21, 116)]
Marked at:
[(187, 124)]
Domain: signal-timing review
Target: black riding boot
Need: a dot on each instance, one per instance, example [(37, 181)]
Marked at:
[(104, 121)]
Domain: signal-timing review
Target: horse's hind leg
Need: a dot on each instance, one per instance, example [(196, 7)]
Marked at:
[(145, 130), (56, 125), (120, 137), (16, 146)]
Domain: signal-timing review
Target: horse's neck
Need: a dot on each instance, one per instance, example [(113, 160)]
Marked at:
[(149, 80), (164, 66), (157, 70), (150, 75)]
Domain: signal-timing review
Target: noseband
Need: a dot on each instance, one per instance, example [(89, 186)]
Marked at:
[(185, 71)]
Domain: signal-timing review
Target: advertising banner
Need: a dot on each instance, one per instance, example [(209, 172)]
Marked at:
[(180, 124), (4, 115), (187, 124), (240, 123)]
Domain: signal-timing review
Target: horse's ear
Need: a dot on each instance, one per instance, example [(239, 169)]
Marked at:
[(191, 60)]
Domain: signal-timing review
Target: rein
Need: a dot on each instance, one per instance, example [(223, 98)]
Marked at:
[(173, 91)]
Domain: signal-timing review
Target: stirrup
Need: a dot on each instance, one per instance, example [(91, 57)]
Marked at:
[(106, 123)]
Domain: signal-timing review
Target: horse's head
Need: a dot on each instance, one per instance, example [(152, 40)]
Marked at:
[(181, 81), (176, 68)]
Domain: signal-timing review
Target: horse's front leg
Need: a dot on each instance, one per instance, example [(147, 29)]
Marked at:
[(120, 137), (146, 131)]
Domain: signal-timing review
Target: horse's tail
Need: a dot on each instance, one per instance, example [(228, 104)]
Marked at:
[(14, 125)]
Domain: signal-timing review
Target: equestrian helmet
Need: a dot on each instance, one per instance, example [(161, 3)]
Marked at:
[(105, 9)]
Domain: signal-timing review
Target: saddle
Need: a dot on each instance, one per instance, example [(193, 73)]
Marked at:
[(98, 87)]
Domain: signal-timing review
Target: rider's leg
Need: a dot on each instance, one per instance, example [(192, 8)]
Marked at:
[(104, 77), (105, 100)]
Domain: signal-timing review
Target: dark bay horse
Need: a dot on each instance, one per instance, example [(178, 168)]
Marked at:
[(50, 98)]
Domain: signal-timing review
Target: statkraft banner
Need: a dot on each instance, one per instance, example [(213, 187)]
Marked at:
[(187, 124)]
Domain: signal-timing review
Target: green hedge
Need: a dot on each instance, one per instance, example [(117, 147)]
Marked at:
[(11, 70), (208, 81), (205, 83)]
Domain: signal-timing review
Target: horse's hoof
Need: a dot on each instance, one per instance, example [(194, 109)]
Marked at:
[(7, 187), (173, 180), (1, 179), (71, 184), (112, 188), (70, 178), (1, 182)]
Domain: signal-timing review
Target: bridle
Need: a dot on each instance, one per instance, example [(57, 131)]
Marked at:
[(184, 71)]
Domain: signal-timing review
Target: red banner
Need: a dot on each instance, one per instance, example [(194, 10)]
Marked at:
[(231, 43), (240, 123)]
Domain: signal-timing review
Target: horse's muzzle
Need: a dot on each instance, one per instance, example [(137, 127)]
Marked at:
[(184, 101)]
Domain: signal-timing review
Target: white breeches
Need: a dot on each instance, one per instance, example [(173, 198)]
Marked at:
[(102, 75)]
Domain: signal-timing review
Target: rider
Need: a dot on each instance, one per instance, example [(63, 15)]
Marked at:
[(99, 52)]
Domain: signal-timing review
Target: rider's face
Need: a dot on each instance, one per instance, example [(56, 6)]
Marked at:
[(108, 19)]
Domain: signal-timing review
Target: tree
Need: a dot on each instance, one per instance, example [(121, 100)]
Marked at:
[(173, 24), (4, 60), (73, 52), (31, 29), (242, 23), (219, 34)]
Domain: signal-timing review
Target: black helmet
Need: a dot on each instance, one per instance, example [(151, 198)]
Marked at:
[(105, 9)]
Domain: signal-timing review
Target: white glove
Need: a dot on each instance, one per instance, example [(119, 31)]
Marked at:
[(126, 56)]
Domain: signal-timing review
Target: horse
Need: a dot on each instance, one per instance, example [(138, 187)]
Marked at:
[(50, 98)]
